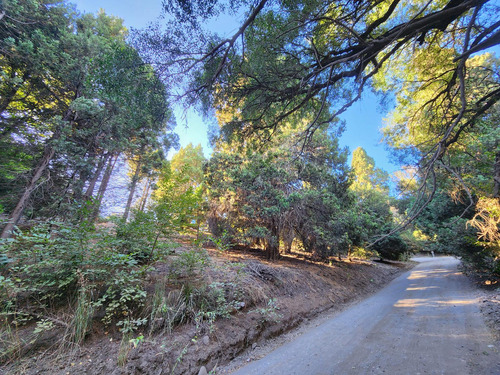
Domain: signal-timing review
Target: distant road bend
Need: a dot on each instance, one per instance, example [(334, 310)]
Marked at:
[(427, 321)]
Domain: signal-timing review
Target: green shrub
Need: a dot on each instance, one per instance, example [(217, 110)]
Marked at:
[(140, 236), (54, 263), (362, 253), (392, 247), (189, 263), (270, 312), (212, 302), (223, 242), (100, 272)]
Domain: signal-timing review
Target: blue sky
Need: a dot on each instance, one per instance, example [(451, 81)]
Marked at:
[(363, 119)]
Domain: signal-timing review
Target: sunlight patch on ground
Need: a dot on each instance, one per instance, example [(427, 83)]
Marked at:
[(415, 302), (415, 275), (422, 288), (411, 302)]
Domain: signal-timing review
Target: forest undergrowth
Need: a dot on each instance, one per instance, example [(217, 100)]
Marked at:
[(111, 301)]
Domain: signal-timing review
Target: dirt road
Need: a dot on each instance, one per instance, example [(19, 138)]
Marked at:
[(426, 321)]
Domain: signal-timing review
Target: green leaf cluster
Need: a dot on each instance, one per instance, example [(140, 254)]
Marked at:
[(74, 96)]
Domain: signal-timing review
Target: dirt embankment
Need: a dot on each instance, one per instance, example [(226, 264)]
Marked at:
[(488, 292), (489, 303), (427, 314), (277, 297)]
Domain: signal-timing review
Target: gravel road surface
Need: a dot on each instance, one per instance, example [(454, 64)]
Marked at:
[(427, 321)]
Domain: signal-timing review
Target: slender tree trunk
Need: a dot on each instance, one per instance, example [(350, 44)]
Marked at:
[(100, 166), (145, 194), (79, 183), (198, 224), (273, 250), (104, 184), (37, 173), (18, 210), (65, 192), (288, 236), (133, 185)]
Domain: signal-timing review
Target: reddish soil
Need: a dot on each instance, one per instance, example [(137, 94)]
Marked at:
[(302, 290)]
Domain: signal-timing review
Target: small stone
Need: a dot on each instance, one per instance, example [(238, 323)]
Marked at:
[(205, 340), (203, 371)]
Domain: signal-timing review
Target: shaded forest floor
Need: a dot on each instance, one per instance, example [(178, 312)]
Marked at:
[(273, 298)]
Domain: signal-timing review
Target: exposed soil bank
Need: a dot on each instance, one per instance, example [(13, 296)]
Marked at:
[(300, 291), (489, 303), (426, 315), (488, 292)]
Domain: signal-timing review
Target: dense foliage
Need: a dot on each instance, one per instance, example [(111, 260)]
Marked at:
[(178, 199), (311, 60), (76, 97), (288, 193), (290, 58)]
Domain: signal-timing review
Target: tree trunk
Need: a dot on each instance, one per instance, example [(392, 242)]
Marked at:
[(65, 192), (100, 166), (145, 194), (37, 173), (273, 249), (273, 252), (79, 183), (104, 185), (18, 210), (133, 185), (288, 236)]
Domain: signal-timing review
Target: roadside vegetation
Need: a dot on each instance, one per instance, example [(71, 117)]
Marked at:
[(206, 240)]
